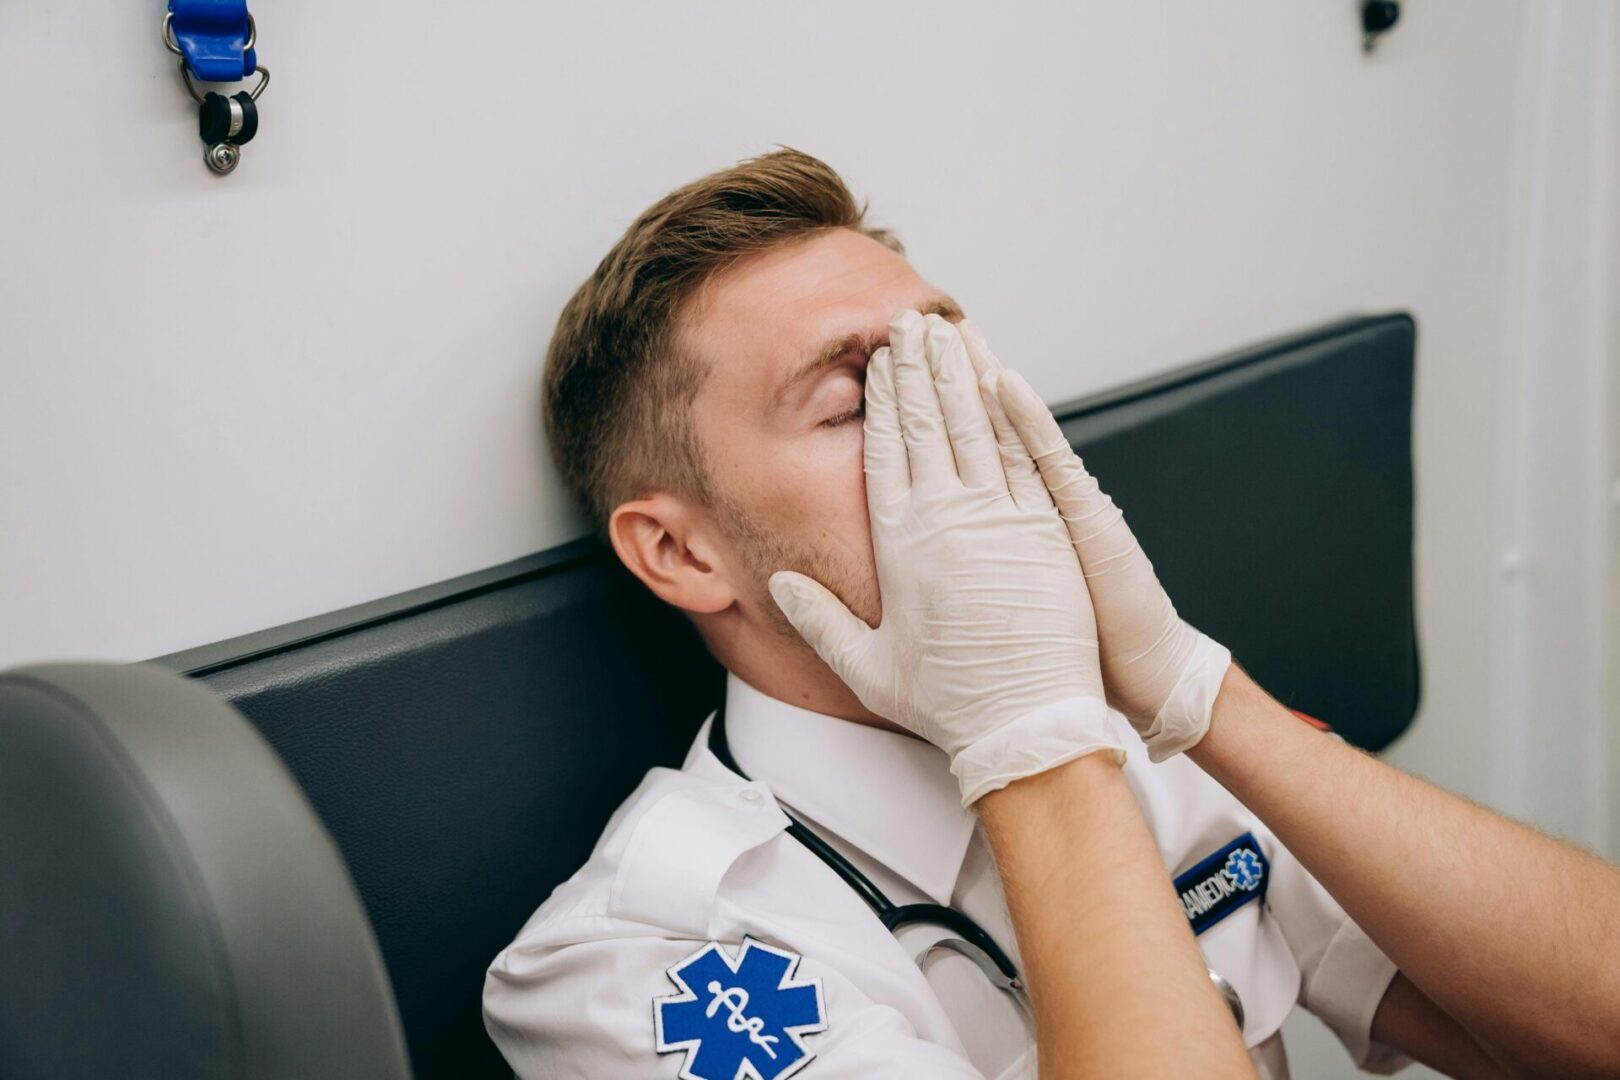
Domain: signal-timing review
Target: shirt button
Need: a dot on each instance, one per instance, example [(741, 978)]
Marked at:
[(750, 796)]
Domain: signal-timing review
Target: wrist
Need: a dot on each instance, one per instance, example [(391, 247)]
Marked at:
[(1044, 794), (1184, 718), (1038, 741), (1239, 724)]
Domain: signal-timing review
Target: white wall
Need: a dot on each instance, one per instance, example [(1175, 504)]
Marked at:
[(228, 403), (1556, 416)]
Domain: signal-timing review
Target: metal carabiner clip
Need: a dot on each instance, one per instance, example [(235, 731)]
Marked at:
[(197, 95), (224, 123)]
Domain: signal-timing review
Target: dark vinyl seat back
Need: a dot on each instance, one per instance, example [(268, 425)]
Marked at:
[(464, 744), (171, 907), (1273, 492)]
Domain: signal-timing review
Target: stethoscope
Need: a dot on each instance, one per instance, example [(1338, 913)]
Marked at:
[(972, 940)]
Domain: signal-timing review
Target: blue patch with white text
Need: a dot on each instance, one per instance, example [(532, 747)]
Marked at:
[(740, 1018), (1224, 882)]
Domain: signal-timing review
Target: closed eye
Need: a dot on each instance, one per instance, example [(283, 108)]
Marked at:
[(845, 417)]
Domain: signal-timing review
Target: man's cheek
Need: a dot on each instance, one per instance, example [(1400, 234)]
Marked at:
[(842, 514), (854, 509), (860, 527)]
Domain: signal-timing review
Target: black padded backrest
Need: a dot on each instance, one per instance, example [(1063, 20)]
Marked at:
[(465, 743), (1273, 492)]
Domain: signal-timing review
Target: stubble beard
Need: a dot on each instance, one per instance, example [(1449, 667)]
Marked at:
[(764, 551)]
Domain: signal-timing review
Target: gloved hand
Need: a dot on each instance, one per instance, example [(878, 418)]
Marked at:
[(987, 646), (1159, 671)]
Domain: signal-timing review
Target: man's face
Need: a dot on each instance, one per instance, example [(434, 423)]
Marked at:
[(786, 335)]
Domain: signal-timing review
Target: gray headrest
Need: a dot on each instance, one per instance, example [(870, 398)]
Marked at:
[(169, 904)]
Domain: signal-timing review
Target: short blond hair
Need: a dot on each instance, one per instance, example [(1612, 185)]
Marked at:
[(618, 390)]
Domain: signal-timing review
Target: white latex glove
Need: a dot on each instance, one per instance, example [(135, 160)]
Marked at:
[(1159, 671), (987, 647)]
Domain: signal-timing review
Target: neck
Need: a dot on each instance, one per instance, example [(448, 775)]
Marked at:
[(785, 668)]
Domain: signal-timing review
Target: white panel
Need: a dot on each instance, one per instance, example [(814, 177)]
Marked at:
[(1556, 418)]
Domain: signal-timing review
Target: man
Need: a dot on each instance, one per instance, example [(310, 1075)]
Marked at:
[(704, 396)]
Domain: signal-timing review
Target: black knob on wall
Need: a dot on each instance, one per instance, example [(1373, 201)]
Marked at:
[(1377, 17)]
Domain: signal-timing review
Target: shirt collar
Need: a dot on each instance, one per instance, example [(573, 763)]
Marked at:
[(890, 795)]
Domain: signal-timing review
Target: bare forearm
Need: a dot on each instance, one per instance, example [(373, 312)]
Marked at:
[(1509, 931), (1409, 1020), (1117, 983)]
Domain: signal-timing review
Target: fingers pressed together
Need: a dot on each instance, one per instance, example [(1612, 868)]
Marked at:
[(941, 409)]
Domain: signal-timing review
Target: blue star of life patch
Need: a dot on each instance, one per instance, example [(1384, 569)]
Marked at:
[(1224, 882), (739, 1019)]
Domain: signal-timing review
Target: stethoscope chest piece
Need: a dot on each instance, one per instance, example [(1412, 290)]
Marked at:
[(1230, 995), (1011, 984)]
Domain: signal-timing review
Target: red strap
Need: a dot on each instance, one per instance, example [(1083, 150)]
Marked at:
[(1320, 725)]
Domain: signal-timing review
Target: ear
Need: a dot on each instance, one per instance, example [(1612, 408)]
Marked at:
[(668, 545)]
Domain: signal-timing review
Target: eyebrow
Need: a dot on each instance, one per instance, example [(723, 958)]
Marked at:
[(832, 352)]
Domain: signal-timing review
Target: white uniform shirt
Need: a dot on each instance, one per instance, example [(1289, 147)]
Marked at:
[(699, 855)]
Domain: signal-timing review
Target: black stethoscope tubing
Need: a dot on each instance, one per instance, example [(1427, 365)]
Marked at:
[(892, 915)]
